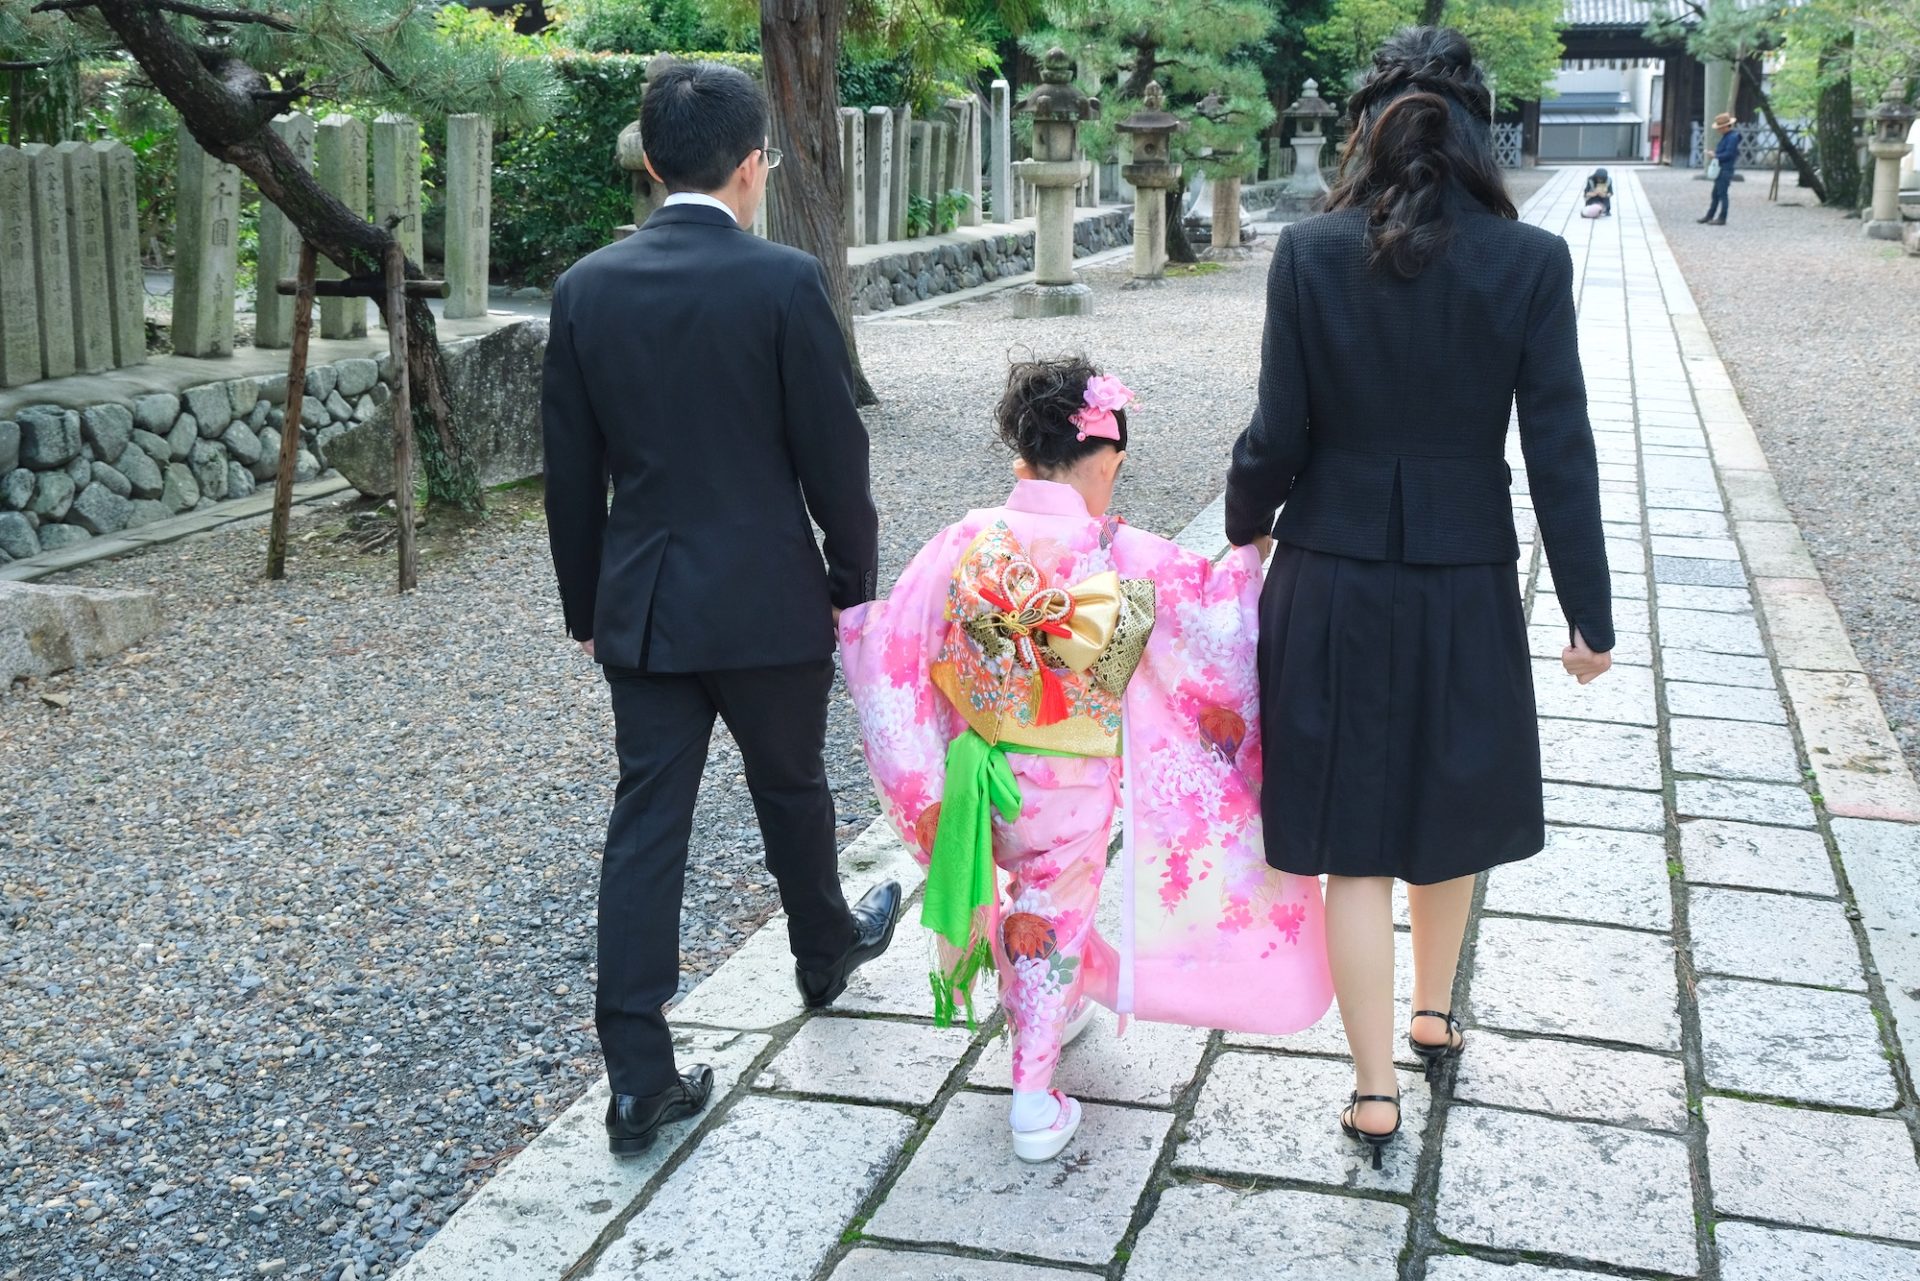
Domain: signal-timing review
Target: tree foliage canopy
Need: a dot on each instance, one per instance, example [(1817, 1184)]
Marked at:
[(1206, 55), (1516, 41)]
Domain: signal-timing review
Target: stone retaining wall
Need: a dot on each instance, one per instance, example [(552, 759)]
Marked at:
[(913, 275), (67, 475)]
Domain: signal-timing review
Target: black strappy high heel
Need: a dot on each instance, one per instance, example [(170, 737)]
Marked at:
[(1434, 1057), (1376, 1142)]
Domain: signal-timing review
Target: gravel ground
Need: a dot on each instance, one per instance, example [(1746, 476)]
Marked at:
[(298, 896), (1817, 326)]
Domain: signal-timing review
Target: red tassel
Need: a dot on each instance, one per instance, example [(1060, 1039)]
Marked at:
[(1053, 698)]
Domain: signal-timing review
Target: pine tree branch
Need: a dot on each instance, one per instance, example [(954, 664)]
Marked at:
[(63, 6), (229, 17)]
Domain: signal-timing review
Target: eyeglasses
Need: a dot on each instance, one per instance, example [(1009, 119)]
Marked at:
[(773, 156)]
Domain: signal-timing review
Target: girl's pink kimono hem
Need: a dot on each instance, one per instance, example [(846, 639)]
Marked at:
[(1209, 935)]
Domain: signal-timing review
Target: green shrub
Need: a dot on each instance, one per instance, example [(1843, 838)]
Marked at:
[(558, 192), (643, 26)]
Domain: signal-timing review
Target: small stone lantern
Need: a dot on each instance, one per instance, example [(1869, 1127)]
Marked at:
[(1152, 173), (1309, 112), (1887, 126), (1057, 106)]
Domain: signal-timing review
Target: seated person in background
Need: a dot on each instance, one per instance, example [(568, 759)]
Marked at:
[(1597, 200)]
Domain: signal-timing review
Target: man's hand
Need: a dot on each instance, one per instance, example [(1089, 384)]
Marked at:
[(1582, 663), (586, 647)]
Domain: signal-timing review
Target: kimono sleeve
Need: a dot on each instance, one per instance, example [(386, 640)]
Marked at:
[(887, 648)]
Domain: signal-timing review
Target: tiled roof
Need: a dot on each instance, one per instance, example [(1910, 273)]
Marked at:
[(1608, 13)]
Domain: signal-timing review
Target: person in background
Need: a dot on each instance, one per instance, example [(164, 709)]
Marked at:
[(1727, 153), (1597, 200)]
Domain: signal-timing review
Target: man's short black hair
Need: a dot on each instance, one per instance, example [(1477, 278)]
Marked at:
[(698, 121)]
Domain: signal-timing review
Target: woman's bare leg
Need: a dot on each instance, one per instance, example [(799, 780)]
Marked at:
[(1439, 914), (1360, 952)]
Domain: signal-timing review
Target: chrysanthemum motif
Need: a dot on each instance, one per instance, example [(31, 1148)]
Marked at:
[(1213, 637), (889, 717)]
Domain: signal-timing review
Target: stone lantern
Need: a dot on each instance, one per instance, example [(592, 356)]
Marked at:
[(631, 156), (1310, 112), (1887, 126), (1058, 106), (1152, 174)]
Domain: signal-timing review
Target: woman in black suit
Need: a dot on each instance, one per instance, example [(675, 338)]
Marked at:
[(1403, 325)]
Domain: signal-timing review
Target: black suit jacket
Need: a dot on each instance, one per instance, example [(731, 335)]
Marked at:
[(1384, 404), (700, 369)]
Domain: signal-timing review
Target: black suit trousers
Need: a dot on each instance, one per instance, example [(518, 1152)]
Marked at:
[(663, 723)]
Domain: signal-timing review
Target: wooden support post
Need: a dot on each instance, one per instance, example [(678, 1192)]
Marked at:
[(290, 424), (396, 314)]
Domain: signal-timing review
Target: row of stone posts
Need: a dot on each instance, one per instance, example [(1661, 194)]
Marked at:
[(72, 296), (207, 199)]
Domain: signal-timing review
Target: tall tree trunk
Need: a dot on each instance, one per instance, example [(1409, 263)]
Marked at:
[(1809, 177), (227, 104), (1839, 156), (1434, 13), (1179, 248), (799, 50)]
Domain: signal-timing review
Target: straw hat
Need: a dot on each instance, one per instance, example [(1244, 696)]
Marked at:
[(1723, 121)]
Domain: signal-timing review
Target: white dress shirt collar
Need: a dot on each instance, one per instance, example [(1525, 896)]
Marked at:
[(698, 198)]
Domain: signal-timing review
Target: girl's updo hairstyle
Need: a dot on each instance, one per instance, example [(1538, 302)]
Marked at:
[(1036, 413)]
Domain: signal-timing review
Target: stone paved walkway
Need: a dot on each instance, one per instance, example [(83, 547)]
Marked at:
[(1690, 1017)]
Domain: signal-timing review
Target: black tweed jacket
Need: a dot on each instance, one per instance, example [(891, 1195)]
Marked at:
[(1384, 403)]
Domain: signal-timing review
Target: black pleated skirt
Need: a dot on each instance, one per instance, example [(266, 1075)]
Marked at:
[(1398, 716)]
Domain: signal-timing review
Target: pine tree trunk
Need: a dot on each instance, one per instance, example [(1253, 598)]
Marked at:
[(800, 48), (1809, 176), (227, 105), (1179, 248), (1839, 157), (1434, 13)]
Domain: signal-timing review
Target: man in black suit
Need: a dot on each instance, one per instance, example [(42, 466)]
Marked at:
[(700, 370)]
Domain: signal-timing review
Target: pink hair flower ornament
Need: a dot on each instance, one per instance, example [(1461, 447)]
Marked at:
[(1103, 395)]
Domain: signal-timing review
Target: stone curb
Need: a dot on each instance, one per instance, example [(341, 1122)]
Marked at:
[(921, 308), (164, 531)]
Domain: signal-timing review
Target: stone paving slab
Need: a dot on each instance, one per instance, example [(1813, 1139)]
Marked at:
[(965, 1187), (1604, 807), (545, 1208), (1576, 980), (766, 1195), (1726, 703), (1883, 867), (1800, 1166), (1152, 1064), (871, 1059), (1740, 932), (1793, 1043), (1856, 759), (1580, 1082), (1732, 749), (1778, 803), (1206, 1230), (1460, 1267), (1516, 1182), (1599, 754), (1277, 1116), (1751, 1252), (1589, 874), (868, 1264), (1715, 852), (1709, 668)]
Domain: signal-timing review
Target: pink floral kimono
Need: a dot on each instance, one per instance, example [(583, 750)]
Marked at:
[(1013, 702)]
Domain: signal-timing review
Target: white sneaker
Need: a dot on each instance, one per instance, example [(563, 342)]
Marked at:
[(1044, 1145), (1081, 1020)]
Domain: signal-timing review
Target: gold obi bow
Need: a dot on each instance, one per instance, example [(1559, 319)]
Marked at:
[(1028, 664)]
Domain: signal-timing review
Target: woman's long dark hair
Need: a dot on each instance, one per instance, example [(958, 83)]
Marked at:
[(1419, 132)]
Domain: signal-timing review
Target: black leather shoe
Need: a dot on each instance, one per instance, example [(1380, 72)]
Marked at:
[(873, 921), (633, 1119)]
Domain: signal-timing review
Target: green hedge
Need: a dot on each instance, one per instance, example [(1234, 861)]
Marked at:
[(558, 193)]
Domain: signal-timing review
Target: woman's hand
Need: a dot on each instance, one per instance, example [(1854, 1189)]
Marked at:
[(1582, 663), (1263, 545)]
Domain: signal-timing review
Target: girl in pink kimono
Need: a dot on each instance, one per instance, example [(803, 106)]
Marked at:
[(1040, 668)]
